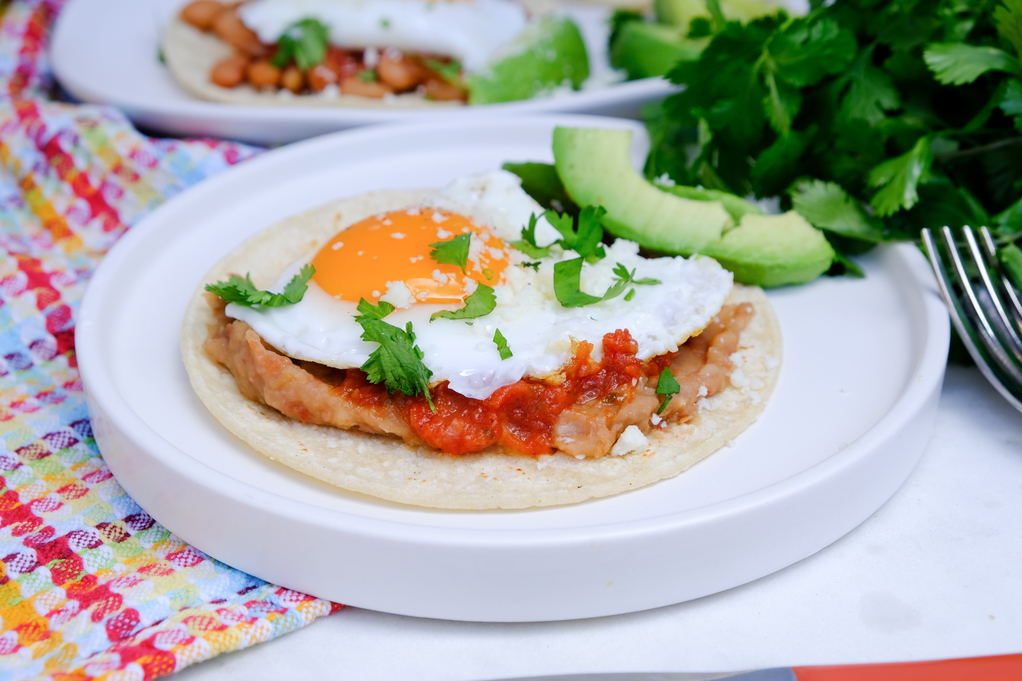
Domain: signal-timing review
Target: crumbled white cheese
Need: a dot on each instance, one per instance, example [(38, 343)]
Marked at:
[(631, 440), (398, 295)]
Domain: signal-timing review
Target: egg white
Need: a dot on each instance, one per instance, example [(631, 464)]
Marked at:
[(539, 331), (471, 31)]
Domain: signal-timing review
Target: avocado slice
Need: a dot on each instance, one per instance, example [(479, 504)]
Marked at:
[(596, 170), (645, 50), (736, 206), (682, 12), (773, 250), (548, 54)]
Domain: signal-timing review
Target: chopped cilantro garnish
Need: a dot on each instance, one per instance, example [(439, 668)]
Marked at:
[(567, 286), (368, 76), (630, 294), (304, 41), (397, 363), (585, 239), (452, 252), (533, 265), (501, 343), (528, 243), (243, 291), (375, 311), (385, 22), (668, 387), (622, 273), (479, 304)]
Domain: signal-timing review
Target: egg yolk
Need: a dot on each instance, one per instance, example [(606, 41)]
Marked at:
[(366, 259)]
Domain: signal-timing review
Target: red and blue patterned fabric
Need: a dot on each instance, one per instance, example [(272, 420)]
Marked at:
[(91, 587)]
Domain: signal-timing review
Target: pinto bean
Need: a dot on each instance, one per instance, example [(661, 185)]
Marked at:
[(354, 85), (263, 74), (232, 31), (441, 91), (229, 72), (202, 13), (320, 76), (292, 79), (399, 72)]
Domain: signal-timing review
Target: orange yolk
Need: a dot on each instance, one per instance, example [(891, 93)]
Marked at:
[(360, 261)]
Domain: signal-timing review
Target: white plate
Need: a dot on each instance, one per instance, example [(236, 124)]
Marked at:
[(105, 52), (863, 364)]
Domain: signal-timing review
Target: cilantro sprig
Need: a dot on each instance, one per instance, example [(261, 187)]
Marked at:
[(480, 303), (667, 386), (452, 252), (567, 283), (305, 41), (243, 292), (397, 363), (527, 244)]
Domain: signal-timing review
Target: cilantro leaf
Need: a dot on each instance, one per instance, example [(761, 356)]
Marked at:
[(397, 363), (567, 284), (1008, 21), (527, 245), (541, 182), (479, 304), (960, 63), (810, 48), (621, 272), (1010, 257), (452, 252), (501, 343), (304, 41), (871, 91), (667, 386), (371, 311), (897, 179), (844, 265), (243, 291), (585, 239), (568, 287), (827, 206)]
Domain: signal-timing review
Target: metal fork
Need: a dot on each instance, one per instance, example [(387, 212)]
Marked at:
[(987, 313)]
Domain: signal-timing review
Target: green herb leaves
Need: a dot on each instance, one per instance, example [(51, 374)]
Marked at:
[(585, 239), (304, 41), (397, 363), (667, 386), (479, 304), (501, 343), (452, 252), (567, 283), (527, 245), (243, 291)]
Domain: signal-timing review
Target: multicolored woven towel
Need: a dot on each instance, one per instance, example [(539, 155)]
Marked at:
[(90, 585)]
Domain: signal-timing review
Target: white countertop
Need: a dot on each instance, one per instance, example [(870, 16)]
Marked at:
[(935, 573)]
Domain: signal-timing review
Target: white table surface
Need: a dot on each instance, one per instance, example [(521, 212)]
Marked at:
[(935, 573)]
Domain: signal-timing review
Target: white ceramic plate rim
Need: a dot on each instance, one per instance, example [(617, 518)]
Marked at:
[(928, 371)]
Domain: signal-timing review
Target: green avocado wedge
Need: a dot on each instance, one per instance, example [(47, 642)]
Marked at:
[(763, 250), (596, 170), (548, 54), (773, 250), (645, 50)]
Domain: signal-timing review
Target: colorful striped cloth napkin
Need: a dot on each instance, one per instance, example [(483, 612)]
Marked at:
[(91, 587)]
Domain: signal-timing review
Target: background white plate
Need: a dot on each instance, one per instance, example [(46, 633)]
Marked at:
[(105, 52), (863, 364)]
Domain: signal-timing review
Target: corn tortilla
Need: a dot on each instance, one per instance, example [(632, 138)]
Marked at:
[(386, 467)]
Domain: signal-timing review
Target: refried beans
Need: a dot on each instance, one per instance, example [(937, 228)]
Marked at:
[(580, 411)]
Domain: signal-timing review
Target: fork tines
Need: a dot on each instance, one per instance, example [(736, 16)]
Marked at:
[(985, 308)]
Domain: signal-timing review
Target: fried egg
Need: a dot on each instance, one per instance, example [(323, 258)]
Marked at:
[(387, 257), (470, 31)]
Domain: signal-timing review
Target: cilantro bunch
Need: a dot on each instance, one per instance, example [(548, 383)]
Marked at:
[(871, 118)]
